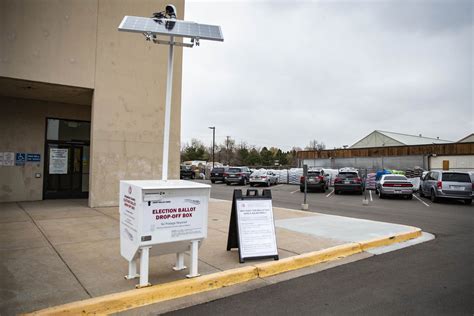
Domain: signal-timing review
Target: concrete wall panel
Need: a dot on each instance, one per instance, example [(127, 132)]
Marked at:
[(370, 163), (50, 41), (456, 163), (129, 102)]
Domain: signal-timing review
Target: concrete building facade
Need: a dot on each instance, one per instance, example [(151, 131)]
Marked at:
[(82, 104)]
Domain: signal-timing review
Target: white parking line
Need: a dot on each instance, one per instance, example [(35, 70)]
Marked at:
[(421, 200), (370, 193), (330, 193), (295, 191)]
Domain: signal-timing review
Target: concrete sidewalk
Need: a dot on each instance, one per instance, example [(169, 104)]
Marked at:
[(58, 251)]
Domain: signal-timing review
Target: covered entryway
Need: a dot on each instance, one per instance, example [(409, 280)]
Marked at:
[(49, 126)]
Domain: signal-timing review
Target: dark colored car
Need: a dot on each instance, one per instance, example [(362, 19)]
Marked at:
[(186, 172), (239, 175), (217, 174), (348, 181), (315, 181)]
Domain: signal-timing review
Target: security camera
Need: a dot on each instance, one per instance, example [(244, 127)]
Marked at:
[(171, 11)]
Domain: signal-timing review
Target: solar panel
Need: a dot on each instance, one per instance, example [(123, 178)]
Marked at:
[(171, 28)]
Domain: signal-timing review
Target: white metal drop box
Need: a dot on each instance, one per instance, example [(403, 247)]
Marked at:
[(160, 217)]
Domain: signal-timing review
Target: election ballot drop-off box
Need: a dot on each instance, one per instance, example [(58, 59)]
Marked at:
[(161, 217)]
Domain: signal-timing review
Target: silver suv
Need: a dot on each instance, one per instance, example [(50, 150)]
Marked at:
[(447, 184)]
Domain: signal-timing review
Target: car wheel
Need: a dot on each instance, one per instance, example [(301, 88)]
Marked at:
[(301, 190), (420, 192), (213, 181), (227, 183), (468, 202), (433, 197), (381, 195), (410, 196), (336, 192), (252, 184), (244, 182)]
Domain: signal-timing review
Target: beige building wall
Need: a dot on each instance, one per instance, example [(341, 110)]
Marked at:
[(456, 163), (23, 126), (76, 43), (129, 102), (376, 139), (49, 41)]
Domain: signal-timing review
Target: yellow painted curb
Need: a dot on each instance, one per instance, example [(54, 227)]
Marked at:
[(127, 300), (118, 302), (308, 259), (380, 242)]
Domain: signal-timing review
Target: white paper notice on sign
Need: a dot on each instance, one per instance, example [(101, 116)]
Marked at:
[(175, 218), (58, 160), (8, 159), (256, 228)]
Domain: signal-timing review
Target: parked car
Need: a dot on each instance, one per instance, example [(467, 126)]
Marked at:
[(263, 176), (447, 184), (471, 174), (186, 172), (394, 185), (217, 174), (348, 181), (239, 175), (316, 181)]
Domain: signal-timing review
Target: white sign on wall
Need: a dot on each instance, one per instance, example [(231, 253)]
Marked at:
[(256, 228), (58, 158), (175, 218), (8, 159)]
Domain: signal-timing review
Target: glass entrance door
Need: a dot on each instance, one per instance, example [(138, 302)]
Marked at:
[(64, 172), (66, 160)]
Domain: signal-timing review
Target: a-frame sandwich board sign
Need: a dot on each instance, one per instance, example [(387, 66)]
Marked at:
[(252, 227)]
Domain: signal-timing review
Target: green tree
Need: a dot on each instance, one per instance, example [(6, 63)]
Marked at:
[(266, 157), (194, 151), (254, 157), (281, 157), (242, 155)]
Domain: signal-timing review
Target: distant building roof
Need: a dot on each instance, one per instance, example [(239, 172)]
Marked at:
[(383, 138), (467, 139)]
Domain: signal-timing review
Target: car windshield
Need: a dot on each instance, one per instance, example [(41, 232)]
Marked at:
[(218, 170), (346, 175), (456, 177), (395, 178), (313, 173), (233, 170)]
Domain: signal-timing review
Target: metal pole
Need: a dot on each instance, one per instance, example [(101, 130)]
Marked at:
[(213, 143), (305, 176), (169, 91)]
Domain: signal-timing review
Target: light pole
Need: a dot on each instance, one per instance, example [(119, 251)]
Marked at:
[(213, 141)]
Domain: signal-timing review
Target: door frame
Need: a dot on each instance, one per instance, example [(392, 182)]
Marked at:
[(71, 145)]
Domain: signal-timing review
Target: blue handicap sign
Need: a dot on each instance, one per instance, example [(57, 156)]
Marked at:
[(20, 159)]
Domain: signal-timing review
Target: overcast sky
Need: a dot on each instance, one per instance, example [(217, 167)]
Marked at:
[(289, 72)]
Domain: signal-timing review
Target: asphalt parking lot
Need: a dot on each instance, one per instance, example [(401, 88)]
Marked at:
[(346, 204)]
